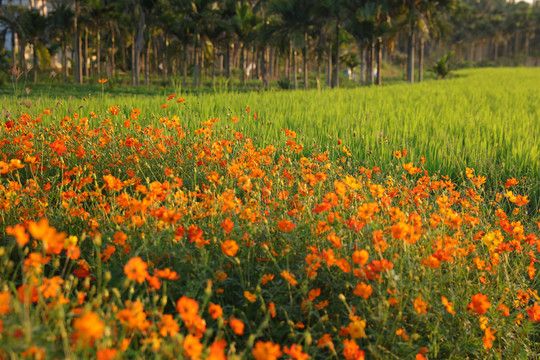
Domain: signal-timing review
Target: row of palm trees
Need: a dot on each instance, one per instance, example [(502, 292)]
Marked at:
[(159, 36)]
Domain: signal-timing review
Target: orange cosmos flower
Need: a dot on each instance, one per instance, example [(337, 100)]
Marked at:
[(488, 338), (180, 100), (505, 311), (289, 277), (286, 225), (168, 326), (250, 296), (5, 302), (102, 81), (237, 326), (217, 350), (479, 303), (187, 308), (360, 257), (107, 354), (266, 351), (325, 342), (172, 96), (19, 234), (135, 269), (534, 312), (295, 352), (227, 225), (229, 247), (167, 274), (351, 351), (192, 347), (89, 327), (510, 182), (266, 278), (420, 306), (364, 290), (215, 311), (448, 305), (47, 112), (357, 329)]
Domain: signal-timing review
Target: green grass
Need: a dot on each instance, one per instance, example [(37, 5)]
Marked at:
[(486, 119)]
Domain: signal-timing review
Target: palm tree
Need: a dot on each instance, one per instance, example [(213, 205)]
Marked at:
[(62, 21), (34, 24), (294, 22), (243, 24)]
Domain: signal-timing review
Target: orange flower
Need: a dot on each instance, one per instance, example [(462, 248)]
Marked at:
[(102, 81), (286, 225), (89, 327), (192, 347), (325, 342), (250, 296), (187, 308), (167, 274), (215, 311), (135, 269), (272, 309), (420, 306), (295, 352), (266, 278), (289, 277), (505, 311), (364, 290), (19, 234), (107, 354), (217, 350), (479, 303), (168, 326), (448, 305), (488, 338), (534, 312), (229, 247), (357, 329), (360, 257), (266, 351), (227, 225), (172, 96), (5, 302), (510, 182), (352, 351), (180, 100), (237, 326)]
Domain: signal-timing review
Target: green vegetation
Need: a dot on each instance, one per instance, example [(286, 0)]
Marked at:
[(485, 119), (273, 225)]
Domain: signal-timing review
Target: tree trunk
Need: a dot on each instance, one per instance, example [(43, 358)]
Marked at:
[(304, 50), (362, 64), (329, 67), (164, 58), (421, 59), (195, 59), (526, 49), (336, 61), (35, 60), (77, 55), (516, 44), (64, 61), (371, 60), (410, 55), (86, 71), (133, 55), (98, 52), (146, 65), (14, 57), (286, 69), (228, 62), (184, 66), (294, 70), (270, 63), (113, 67), (139, 43), (243, 63), (379, 60)]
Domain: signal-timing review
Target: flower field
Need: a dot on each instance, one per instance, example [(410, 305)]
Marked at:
[(127, 238)]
